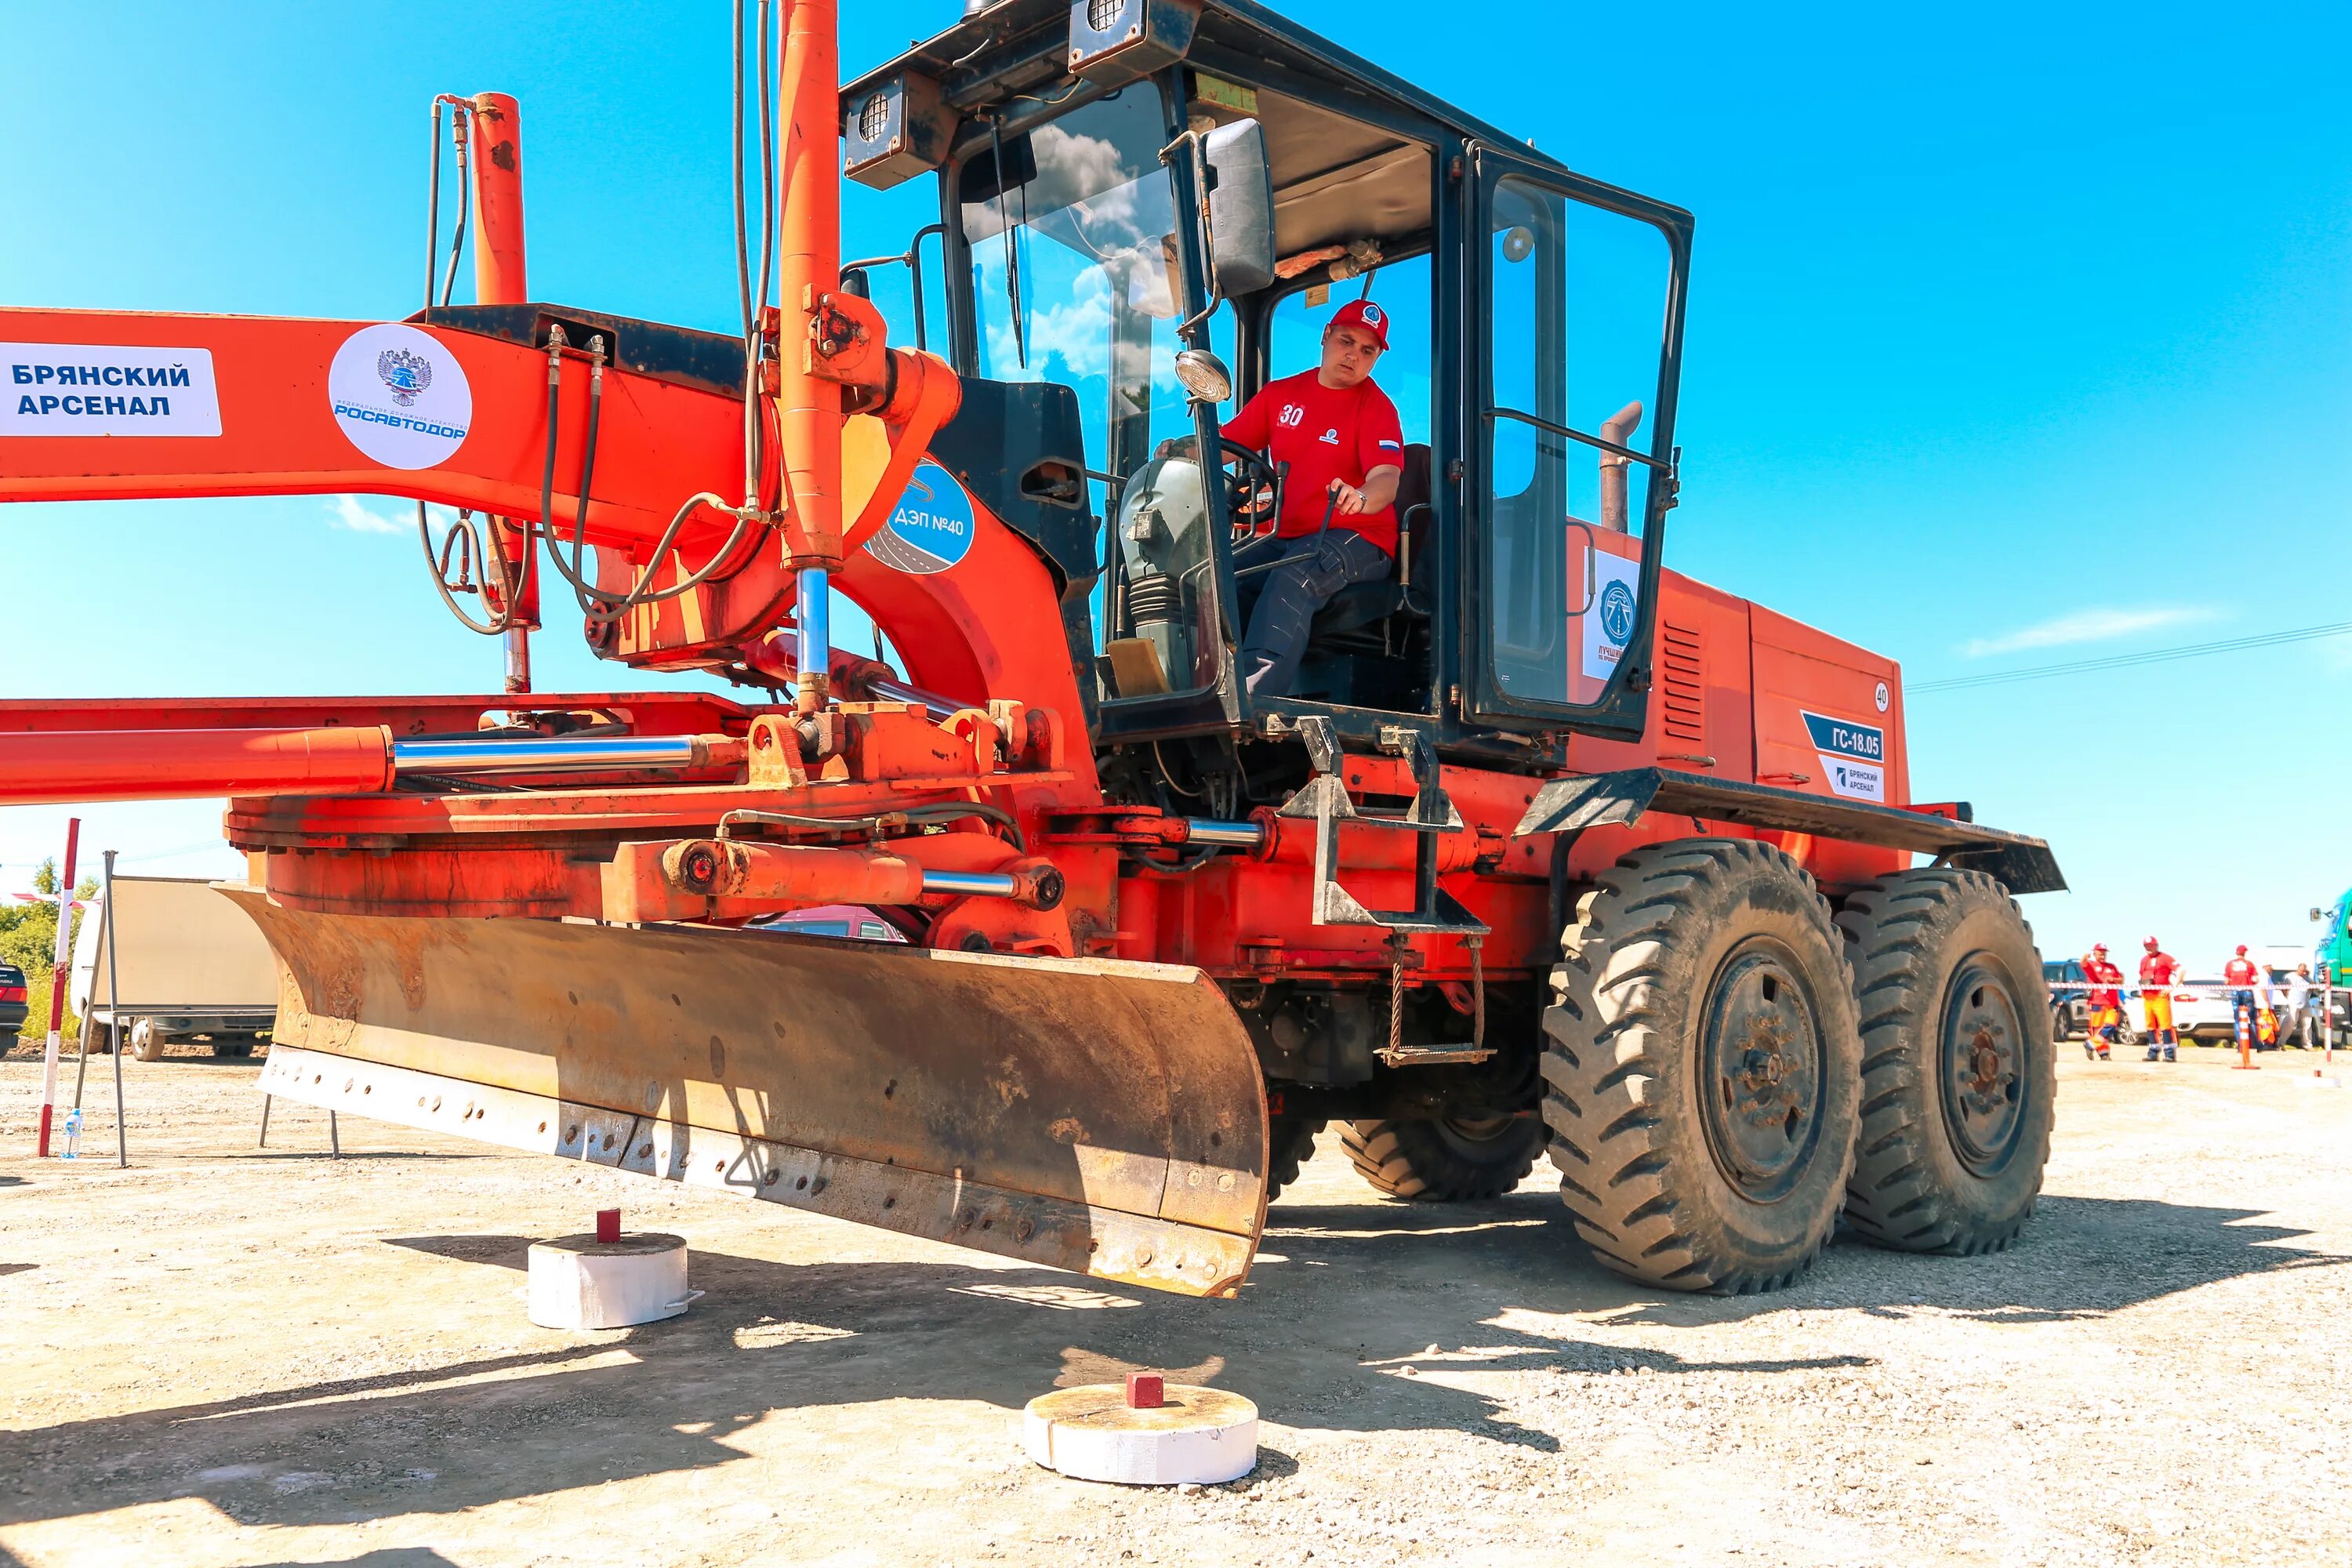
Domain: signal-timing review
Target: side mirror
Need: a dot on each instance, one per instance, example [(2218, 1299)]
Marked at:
[(1241, 207)]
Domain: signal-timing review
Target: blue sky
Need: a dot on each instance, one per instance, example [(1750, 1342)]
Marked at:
[(2016, 334)]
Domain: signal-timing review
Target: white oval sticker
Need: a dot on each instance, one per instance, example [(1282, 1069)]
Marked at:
[(400, 396)]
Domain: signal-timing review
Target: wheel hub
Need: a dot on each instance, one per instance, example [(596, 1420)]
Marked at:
[(1760, 1062), (1980, 1052)]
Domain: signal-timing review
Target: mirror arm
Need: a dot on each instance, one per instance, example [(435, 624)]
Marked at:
[(1190, 140), (913, 261)]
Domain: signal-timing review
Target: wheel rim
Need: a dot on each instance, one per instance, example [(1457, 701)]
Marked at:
[(1480, 1139), (1761, 1064), (1978, 1056)]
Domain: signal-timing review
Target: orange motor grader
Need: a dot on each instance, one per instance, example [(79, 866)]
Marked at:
[(1550, 850)]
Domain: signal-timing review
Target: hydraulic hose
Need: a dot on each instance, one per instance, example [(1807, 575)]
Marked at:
[(941, 811), (600, 609), (596, 605), (474, 549)]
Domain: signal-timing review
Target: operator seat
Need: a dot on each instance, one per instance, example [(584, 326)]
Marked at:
[(1403, 591)]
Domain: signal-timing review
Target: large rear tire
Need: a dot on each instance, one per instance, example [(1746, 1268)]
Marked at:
[(1451, 1160), (1289, 1144), (1957, 1071), (1702, 1068)]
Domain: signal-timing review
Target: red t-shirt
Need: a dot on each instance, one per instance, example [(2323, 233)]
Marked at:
[(2158, 969), (2239, 972), (1324, 433)]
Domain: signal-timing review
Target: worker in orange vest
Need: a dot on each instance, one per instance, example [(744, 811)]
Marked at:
[(2158, 972), (2241, 974), (2104, 1001)]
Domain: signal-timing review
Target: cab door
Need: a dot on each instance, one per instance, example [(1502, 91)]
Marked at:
[(1574, 339)]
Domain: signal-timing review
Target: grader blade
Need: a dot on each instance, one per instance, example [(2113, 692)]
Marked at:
[(1094, 1115)]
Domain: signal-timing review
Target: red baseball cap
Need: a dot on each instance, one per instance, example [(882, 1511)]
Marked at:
[(2098, 947), (1365, 314), (2149, 942), (2241, 947)]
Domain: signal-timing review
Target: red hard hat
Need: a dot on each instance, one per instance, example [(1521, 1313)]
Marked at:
[(2149, 942), (1365, 314), (2241, 948)]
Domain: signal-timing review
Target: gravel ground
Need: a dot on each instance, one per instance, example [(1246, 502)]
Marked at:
[(231, 1356)]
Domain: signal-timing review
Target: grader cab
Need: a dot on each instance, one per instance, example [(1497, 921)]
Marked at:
[(1550, 850)]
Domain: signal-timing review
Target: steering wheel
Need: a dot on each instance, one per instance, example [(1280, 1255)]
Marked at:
[(1254, 492)]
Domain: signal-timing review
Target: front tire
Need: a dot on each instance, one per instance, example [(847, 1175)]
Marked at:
[(1959, 1073), (1449, 1159), (1702, 1068)]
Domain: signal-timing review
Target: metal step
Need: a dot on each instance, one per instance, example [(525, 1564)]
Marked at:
[(1323, 800)]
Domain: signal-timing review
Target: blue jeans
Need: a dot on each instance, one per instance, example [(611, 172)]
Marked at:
[(1305, 575)]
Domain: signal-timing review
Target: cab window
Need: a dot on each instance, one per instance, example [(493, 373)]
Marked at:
[(1576, 302), (1295, 335)]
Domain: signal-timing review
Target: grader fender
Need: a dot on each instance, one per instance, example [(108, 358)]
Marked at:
[(1099, 1116), (2022, 865)]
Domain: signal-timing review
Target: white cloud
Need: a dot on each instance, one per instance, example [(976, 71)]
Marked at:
[(349, 513), (2083, 627)]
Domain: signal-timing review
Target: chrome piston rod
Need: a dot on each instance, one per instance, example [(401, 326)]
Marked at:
[(937, 706), (971, 884), (543, 754)]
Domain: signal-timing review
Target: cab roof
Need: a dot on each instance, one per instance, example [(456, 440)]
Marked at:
[(1017, 46)]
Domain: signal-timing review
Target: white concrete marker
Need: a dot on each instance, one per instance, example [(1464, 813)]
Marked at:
[(1162, 1438), (580, 1282)]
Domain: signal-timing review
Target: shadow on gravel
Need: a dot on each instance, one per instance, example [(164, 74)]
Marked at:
[(1357, 1318), (506, 1251), (354, 1155), (2078, 1257), (383, 1557)]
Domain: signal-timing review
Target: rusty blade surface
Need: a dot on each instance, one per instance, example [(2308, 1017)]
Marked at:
[(1094, 1115)]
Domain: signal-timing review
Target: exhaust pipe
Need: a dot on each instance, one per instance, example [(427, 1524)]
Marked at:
[(1619, 430)]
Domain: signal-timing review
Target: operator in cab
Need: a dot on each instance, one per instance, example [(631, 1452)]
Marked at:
[(1340, 433)]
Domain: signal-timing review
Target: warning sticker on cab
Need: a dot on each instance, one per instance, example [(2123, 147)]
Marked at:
[(1854, 756), (103, 389)]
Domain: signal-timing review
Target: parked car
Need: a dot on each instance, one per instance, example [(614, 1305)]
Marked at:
[(11, 998), (2069, 1012), (2201, 1010), (833, 920)]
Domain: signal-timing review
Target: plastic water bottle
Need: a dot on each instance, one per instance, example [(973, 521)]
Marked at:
[(73, 1134)]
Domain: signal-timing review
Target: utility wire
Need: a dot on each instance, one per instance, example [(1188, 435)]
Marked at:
[(2126, 660)]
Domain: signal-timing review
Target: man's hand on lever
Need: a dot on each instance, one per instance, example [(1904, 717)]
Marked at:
[(1379, 489)]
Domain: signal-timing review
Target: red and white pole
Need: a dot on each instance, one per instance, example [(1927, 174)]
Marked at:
[(60, 973)]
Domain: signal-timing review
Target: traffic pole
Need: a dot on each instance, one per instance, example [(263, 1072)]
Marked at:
[(106, 913), (59, 974)]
